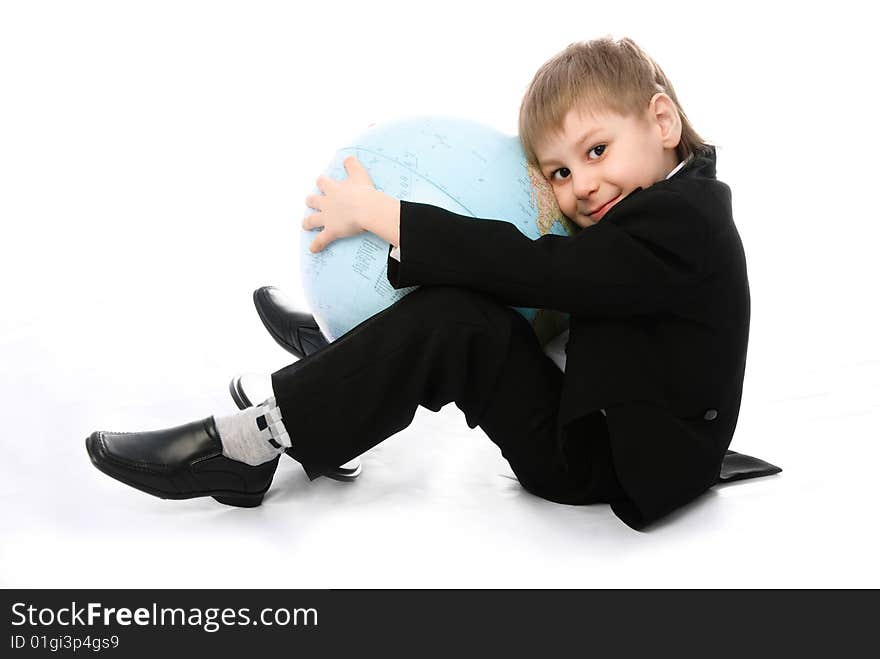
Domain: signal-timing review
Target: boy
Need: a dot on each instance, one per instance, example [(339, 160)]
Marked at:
[(655, 284)]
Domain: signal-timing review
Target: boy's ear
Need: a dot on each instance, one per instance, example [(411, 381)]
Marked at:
[(663, 112)]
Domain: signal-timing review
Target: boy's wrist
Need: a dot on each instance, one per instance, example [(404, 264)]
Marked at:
[(383, 218)]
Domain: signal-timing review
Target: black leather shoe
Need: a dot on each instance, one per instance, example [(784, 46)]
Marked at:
[(248, 388), (295, 331), (180, 463)]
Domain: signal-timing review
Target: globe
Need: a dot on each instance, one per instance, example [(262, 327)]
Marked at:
[(460, 165)]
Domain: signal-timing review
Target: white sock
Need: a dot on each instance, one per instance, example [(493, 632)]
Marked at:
[(255, 435)]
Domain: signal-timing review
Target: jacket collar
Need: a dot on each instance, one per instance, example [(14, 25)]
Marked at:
[(700, 164)]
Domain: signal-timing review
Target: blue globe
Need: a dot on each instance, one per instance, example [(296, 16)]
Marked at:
[(457, 164)]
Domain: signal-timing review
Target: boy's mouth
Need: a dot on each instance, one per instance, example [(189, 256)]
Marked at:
[(599, 212)]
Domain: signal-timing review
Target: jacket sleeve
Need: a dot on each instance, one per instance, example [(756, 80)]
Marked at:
[(636, 260)]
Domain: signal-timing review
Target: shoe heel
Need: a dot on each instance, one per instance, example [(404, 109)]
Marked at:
[(241, 500)]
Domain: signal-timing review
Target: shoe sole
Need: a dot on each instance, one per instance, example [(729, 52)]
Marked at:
[(227, 497), (343, 474)]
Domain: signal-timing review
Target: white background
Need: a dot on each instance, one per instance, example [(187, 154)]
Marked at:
[(154, 159)]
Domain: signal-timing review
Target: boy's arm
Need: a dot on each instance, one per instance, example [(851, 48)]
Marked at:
[(382, 216), (653, 248)]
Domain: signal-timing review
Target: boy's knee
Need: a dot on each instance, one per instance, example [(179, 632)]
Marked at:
[(453, 305), (450, 295)]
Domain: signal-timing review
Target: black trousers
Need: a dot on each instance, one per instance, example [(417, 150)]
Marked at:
[(434, 346)]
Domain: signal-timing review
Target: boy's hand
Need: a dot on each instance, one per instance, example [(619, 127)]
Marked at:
[(344, 206)]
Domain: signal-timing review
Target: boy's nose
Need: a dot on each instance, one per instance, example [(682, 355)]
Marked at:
[(584, 185)]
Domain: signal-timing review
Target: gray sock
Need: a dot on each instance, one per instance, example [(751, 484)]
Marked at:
[(255, 435)]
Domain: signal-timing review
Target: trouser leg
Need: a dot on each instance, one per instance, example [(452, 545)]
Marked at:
[(435, 346)]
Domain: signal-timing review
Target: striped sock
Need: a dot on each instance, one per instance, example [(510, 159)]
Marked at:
[(255, 435)]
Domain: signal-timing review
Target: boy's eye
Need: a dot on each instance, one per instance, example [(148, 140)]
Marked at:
[(561, 169), (565, 169)]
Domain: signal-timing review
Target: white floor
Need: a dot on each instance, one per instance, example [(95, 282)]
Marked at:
[(436, 505)]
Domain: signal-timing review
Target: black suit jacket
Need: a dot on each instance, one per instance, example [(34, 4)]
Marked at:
[(658, 297)]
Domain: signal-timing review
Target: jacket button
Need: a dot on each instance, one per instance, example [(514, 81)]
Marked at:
[(710, 415)]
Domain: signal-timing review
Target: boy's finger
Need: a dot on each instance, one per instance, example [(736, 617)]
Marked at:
[(355, 168), (323, 239)]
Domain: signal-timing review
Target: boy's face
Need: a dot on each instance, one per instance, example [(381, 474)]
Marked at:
[(618, 155)]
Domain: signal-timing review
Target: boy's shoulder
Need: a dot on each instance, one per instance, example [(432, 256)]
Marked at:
[(693, 189)]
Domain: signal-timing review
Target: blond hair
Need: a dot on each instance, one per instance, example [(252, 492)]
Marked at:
[(603, 75)]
